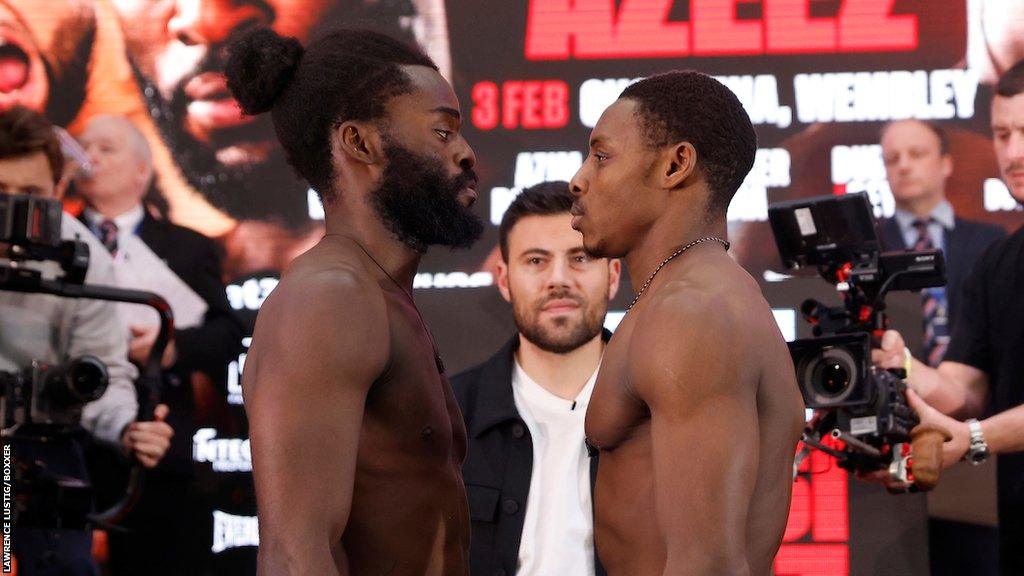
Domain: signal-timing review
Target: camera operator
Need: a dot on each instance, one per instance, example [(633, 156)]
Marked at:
[(163, 538), (45, 327), (985, 358), (918, 165)]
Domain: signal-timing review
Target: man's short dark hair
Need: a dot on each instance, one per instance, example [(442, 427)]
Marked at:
[(544, 199), (1011, 83), (687, 106), (935, 127), (24, 132), (343, 75)]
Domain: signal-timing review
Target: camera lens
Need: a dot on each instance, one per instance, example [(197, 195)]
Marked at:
[(87, 376), (831, 376), (828, 376), (83, 380)]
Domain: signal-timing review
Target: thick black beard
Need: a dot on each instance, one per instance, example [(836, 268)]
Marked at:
[(418, 202)]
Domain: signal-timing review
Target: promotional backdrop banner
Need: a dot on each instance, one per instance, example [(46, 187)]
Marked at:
[(817, 77)]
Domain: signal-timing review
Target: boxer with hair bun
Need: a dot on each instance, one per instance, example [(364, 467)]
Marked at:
[(357, 440)]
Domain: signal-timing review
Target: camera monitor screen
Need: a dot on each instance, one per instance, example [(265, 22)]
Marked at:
[(819, 230)]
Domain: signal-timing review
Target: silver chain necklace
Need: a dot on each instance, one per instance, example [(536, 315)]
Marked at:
[(669, 259)]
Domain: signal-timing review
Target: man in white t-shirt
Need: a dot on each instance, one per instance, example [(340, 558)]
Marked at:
[(527, 473)]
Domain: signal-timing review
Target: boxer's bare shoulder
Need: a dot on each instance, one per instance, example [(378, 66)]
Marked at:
[(326, 298), (700, 389)]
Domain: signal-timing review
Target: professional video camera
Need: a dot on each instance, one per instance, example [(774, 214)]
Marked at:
[(42, 403), (857, 403), (51, 394)]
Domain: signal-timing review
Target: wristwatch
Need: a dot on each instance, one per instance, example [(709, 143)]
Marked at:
[(978, 450)]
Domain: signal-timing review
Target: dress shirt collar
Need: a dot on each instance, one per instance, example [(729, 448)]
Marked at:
[(127, 222), (942, 214)]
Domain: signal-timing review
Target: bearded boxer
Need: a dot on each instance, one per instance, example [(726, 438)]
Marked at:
[(357, 440)]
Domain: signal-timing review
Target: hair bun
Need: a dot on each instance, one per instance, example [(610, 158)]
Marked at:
[(260, 65)]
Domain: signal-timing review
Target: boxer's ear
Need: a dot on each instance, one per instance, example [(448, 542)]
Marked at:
[(679, 162), (358, 142)]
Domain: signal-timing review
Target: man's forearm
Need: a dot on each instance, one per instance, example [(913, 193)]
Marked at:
[(943, 391), (930, 384), (1004, 432)]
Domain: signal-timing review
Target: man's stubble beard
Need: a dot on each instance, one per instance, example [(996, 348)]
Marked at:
[(585, 329)]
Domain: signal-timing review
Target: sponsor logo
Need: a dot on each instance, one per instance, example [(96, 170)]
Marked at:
[(231, 531), (224, 454)]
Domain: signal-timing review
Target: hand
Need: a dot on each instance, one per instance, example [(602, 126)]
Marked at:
[(953, 450), (883, 477), (141, 344), (149, 441), (892, 354)]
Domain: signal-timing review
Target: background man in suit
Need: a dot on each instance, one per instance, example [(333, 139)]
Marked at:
[(114, 190), (525, 406), (918, 164)]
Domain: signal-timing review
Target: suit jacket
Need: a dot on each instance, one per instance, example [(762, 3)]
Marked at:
[(195, 259), (207, 348), (499, 463), (963, 246)]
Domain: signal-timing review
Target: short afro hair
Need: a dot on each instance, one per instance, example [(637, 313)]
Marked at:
[(1011, 83), (544, 199), (687, 106), (24, 132), (342, 75)]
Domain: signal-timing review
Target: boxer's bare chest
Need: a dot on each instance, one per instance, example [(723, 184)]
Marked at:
[(616, 412), (409, 513), (411, 406)]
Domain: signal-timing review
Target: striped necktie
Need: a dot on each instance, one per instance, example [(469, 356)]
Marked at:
[(108, 235), (933, 304)]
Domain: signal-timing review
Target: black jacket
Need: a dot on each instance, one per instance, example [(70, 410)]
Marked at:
[(963, 246), (208, 347), (499, 463)]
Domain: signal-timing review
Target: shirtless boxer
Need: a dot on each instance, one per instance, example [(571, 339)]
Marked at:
[(696, 409), (357, 440)]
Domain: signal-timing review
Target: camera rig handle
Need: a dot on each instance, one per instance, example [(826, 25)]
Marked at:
[(31, 281)]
